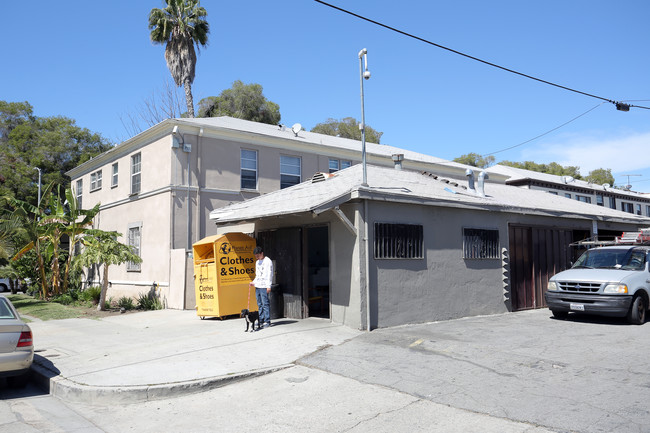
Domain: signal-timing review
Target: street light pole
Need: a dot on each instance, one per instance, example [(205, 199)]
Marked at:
[(39, 186), (363, 55)]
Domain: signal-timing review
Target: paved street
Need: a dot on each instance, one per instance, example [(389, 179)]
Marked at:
[(521, 372), (583, 374)]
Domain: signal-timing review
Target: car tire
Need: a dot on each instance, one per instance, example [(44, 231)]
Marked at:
[(4, 288), (18, 381), (560, 314), (636, 315)]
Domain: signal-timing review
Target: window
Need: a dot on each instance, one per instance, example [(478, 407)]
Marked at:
[(599, 200), (80, 184), (583, 198), (96, 180), (134, 240), (289, 171), (552, 192), (248, 169), (567, 195), (481, 244), (398, 241), (114, 176), (612, 203), (647, 211), (336, 165), (627, 207), (136, 162)]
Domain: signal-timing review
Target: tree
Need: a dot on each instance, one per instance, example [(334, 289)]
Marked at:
[(551, 168), (103, 248), (475, 160), (243, 101), (180, 26), (347, 128), (600, 176), (53, 144), (163, 103)]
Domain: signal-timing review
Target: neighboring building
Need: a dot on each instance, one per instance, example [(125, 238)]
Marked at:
[(413, 247), (159, 187), (566, 186)]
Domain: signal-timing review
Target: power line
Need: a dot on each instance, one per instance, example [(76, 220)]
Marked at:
[(547, 132), (622, 106)]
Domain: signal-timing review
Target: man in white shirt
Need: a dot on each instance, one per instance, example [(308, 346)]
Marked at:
[(262, 283)]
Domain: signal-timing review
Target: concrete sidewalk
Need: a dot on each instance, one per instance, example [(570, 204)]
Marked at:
[(157, 354)]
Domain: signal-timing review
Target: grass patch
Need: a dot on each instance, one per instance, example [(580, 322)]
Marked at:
[(44, 310)]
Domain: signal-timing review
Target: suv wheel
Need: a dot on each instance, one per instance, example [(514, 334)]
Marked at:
[(636, 315), (4, 288), (560, 314)]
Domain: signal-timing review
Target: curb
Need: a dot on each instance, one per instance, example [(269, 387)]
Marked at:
[(69, 390)]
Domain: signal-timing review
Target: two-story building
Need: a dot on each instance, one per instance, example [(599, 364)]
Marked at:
[(159, 187)]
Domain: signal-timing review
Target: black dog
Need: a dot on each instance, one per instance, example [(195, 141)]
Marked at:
[(251, 317)]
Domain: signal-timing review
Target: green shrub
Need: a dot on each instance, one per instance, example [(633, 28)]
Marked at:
[(126, 303), (91, 294), (65, 299), (149, 301)]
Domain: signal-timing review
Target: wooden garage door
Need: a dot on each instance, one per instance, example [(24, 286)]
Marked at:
[(536, 254)]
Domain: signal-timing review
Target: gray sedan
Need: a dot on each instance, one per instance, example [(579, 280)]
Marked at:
[(16, 345)]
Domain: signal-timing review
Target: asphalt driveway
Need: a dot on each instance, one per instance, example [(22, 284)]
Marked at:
[(584, 374)]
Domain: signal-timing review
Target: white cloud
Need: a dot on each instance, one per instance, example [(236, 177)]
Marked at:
[(621, 154)]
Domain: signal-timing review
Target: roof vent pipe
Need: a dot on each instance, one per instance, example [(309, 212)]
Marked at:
[(470, 180), (397, 159), (481, 184)]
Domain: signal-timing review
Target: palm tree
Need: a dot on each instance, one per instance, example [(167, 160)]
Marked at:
[(179, 26)]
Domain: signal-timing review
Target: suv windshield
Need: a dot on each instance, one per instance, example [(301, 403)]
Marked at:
[(626, 259)]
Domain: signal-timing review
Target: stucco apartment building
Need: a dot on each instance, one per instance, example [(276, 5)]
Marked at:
[(159, 187)]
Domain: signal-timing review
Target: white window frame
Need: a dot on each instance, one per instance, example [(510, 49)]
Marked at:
[(95, 181), (134, 239), (338, 164), (79, 192), (288, 177), (245, 162), (136, 173), (114, 175)]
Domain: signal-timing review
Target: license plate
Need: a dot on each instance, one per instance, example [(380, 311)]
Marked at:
[(577, 307)]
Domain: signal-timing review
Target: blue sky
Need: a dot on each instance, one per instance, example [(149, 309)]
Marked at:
[(93, 62)]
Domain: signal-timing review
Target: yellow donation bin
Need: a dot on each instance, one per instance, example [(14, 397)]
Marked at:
[(224, 265)]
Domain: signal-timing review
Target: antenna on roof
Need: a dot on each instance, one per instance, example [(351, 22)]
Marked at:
[(296, 128)]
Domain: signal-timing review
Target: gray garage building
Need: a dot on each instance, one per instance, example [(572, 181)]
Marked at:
[(412, 247)]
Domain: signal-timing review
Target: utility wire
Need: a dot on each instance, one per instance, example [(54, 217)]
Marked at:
[(619, 105), (547, 132)]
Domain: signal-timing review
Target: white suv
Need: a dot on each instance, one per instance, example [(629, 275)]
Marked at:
[(608, 281)]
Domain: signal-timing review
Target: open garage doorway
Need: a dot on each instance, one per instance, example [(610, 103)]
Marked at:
[(317, 271)]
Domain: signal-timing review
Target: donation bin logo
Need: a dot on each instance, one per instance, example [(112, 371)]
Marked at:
[(235, 262)]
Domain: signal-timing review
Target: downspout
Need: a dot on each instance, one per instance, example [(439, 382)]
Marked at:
[(367, 262), (199, 169), (189, 222)]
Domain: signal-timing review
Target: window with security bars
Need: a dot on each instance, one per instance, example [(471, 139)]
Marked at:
[(481, 244), (398, 241)]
